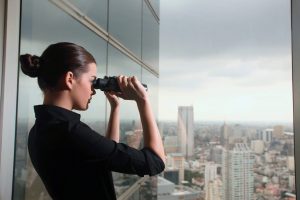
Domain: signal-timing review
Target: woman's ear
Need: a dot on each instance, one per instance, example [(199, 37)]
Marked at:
[(69, 80)]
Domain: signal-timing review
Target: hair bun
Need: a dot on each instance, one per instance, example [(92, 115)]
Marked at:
[(30, 64)]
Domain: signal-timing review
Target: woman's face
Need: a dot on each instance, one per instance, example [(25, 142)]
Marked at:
[(83, 90)]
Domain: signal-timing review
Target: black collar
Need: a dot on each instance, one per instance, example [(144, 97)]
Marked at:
[(51, 111)]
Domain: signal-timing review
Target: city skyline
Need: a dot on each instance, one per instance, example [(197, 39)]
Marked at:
[(231, 61), (230, 161)]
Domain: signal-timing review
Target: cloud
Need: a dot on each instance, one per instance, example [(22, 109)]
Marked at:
[(193, 29), (203, 72)]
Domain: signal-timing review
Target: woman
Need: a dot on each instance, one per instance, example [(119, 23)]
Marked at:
[(73, 161)]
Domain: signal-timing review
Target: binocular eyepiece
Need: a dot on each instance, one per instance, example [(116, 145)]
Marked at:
[(109, 84)]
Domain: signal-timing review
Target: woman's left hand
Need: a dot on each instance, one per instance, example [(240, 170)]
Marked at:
[(112, 98)]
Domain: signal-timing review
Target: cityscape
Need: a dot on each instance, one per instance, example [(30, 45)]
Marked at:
[(206, 160), (226, 160)]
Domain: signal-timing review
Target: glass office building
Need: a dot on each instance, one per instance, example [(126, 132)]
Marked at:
[(123, 36)]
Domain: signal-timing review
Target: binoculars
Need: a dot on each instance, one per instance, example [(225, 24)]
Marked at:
[(109, 84)]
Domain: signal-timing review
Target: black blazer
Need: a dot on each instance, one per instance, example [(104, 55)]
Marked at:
[(75, 162)]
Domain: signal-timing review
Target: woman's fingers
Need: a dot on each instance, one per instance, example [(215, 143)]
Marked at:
[(130, 82), (131, 88)]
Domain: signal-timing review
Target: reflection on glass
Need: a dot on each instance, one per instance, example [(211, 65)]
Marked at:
[(150, 43), (119, 64), (38, 30), (130, 129), (125, 23), (94, 9)]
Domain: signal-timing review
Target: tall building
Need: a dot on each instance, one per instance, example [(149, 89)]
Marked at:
[(214, 190), (210, 173), (216, 154), (266, 135), (185, 125), (175, 167), (212, 182), (237, 173), (224, 135)]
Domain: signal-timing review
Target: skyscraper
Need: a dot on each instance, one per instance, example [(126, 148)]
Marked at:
[(212, 182), (224, 135), (237, 173), (186, 130), (266, 135)]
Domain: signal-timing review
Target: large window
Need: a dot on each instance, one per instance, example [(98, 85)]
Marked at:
[(224, 86), (47, 22), (125, 22), (226, 90)]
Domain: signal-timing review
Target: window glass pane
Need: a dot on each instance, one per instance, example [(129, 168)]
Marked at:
[(125, 23), (94, 9), (226, 90), (119, 64), (41, 27), (150, 45)]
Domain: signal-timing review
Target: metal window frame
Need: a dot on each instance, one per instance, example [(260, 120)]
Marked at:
[(9, 89), (295, 14), (2, 19)]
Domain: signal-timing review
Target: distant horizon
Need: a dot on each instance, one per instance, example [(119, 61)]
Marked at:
[(230, 61)]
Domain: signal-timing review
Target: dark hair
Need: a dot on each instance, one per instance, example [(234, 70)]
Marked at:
[(55, 61)]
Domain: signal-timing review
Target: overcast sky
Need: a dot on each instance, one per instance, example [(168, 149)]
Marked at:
[(230, 59)]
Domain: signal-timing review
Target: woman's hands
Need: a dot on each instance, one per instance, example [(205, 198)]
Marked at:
[(132, 89), (113, 99)]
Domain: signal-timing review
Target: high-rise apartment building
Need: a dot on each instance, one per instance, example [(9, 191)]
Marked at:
[(212, 182), (185, 127), (237, 173), (266, 135), (210, 172)]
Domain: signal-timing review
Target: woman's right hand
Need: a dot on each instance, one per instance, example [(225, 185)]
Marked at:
[(113, 99), (132, 89)]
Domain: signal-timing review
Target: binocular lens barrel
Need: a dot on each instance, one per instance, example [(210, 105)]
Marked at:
[(109, 84)]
